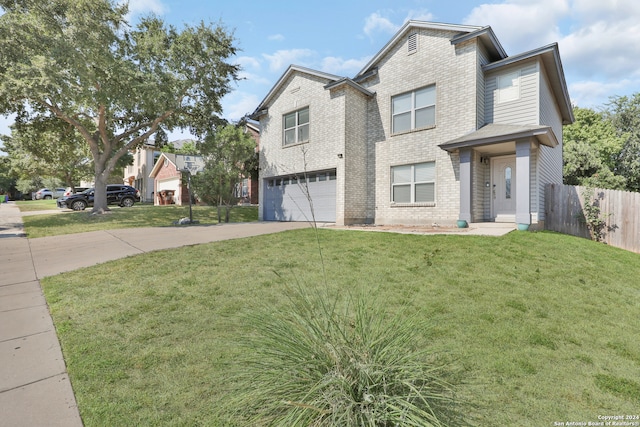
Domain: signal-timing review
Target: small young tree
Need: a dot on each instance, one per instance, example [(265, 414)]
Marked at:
[(228, 151), (79, 61)]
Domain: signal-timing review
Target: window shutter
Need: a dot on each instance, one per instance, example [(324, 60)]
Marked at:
[(413, 42)]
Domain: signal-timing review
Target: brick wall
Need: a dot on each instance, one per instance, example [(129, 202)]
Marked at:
[(327, 123), (453, 69)]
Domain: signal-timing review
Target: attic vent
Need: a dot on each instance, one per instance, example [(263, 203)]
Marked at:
[(413, 43)]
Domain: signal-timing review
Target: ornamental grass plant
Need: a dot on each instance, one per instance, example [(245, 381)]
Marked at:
[(330, 361)]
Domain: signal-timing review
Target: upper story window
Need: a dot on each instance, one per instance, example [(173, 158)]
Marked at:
[(508, 87), (414, 183), (414, 110), (296, 126)]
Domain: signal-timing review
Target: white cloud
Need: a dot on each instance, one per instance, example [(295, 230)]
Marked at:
[(376, 22), (283, 58), (594, 94), (239, 104), (609, 10), (420, 15), (339, 66), (521, 24), (602, 41), (604, 49), (276, 37), (248, 62), (254, 78)]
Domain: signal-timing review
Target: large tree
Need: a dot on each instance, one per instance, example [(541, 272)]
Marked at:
[(591, 151), (80, 62), (624, 112), (53, 150), (229, 154)]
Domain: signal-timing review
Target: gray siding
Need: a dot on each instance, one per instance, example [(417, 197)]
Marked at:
[(549, 159), (521, 111)]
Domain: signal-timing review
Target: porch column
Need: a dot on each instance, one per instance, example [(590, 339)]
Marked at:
[(523, 178), (465, 184)]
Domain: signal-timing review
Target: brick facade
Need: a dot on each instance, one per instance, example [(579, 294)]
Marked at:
[(350, 125)]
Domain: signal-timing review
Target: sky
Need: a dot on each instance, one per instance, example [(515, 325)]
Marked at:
[(599, 40)]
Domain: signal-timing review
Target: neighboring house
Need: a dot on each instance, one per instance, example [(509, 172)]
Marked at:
[(170, 183), (144, 159), (247, 190), (441, 125), (137, 174)]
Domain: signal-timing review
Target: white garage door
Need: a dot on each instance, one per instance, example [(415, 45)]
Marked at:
[(286, 198)]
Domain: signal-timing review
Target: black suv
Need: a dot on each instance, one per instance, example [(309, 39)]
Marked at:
[(122, 195)]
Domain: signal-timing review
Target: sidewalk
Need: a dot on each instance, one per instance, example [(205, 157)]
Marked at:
[(35, 389), (34, 386)]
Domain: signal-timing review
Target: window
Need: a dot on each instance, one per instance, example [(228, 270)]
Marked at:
[(414, 110), (296, 126), (508, 87), (413, 183)]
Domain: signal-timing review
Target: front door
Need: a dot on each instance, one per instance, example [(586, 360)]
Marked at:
[(503, 191)]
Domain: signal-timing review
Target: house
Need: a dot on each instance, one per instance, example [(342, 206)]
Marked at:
[(169, 175), (145, 157), (137, 174), (247, 190), (441, 125)]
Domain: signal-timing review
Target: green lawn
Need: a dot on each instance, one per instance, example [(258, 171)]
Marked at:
[(36, 205), (140, 215), (542, 327)]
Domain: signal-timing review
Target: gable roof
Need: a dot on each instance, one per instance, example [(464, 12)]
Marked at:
[(550, 58), (290, 71), (463, 33), (349, 82), (160, 162)]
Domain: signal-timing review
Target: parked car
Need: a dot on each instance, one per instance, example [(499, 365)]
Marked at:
[(45, 193), (74, 190), (122, 195)]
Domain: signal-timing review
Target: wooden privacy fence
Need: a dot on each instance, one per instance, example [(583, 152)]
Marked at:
[(620, 210)]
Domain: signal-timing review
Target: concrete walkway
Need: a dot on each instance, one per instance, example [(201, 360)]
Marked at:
[(34, 386), (35, 389)]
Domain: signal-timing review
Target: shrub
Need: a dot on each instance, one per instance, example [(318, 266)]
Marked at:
[(326, 362)]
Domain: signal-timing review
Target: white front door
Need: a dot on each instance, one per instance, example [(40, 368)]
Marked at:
[(503, 191)]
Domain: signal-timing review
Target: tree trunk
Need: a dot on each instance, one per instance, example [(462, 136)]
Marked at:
[(100, 197), (227, 210)]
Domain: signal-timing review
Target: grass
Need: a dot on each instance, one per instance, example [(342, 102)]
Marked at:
[(36, 205), (542, 327), (140, 215)]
